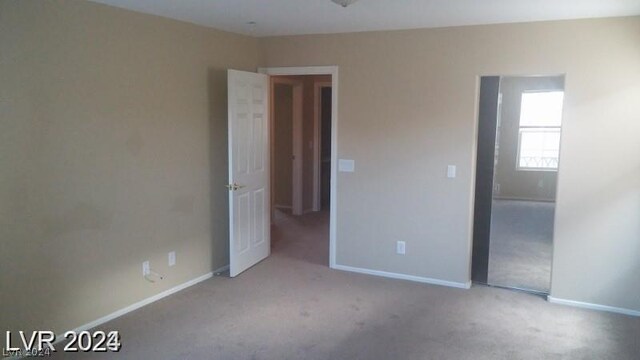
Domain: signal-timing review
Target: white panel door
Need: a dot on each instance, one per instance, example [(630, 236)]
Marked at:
[(249, 220)]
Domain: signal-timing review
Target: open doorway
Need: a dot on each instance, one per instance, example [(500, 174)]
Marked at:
[(520, 120), (301, 154), (287, 114)]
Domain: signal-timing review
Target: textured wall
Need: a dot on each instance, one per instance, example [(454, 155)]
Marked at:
[(113, 151)]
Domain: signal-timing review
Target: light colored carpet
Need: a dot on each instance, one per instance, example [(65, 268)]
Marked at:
[(292, 306), (520, 254)]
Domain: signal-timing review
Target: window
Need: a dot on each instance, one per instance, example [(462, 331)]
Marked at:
[(539, 136)]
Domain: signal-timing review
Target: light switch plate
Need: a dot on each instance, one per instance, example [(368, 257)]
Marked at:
[(346, 165), (451, 171), (401, 248), (146, 268)]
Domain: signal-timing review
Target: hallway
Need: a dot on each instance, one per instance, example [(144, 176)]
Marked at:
[(305, 238)]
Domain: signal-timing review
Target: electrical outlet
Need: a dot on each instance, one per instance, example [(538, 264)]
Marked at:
[(146, 268), (172, 258), (401, 248)]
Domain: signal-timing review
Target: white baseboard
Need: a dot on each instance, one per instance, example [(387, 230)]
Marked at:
[(391, 275), (590, 306), (141, 303)]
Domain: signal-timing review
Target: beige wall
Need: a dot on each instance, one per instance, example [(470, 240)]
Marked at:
[(282, 145), (112, 152), (407, 109)]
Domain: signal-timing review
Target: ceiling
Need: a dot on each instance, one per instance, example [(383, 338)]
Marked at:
[(296, 17)]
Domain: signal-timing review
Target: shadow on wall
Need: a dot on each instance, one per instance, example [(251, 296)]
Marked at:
[(218, 160), (603, 205)]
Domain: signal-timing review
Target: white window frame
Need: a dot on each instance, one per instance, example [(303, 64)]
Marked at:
[(531, 127), (531, 168)]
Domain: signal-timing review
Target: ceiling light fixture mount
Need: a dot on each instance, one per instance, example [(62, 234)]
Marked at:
[(344, 3)]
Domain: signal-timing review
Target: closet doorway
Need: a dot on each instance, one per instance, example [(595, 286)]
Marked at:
[(518, 158)]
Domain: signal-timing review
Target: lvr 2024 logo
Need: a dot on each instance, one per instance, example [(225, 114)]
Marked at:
[(40, 343)]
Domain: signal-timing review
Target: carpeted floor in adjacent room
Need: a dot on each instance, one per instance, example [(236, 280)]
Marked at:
[(521, 248)]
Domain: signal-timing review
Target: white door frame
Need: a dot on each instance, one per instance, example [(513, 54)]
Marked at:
[(333, 71), (317, 144), (296, 191)]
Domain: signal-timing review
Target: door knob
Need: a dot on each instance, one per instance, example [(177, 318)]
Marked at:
[(234, 186)]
